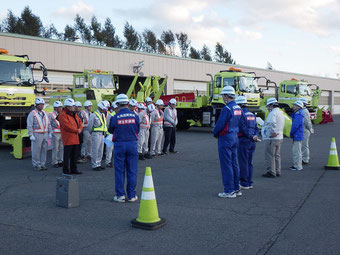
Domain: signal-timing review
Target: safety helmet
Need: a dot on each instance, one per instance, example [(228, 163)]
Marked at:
[(159, 102), (299, 103), (133, 102), (148, 99), (69, 102), (87, 103), (39, 101), (114, 105), (57, 104), (77, 104), (228, 90), (304, 100), (141, 106), (173, 101), (241, 100), (272, 101), (122, 99), (102, 105), (151, 107)]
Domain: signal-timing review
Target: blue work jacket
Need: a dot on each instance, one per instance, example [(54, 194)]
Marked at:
[(296, 131), (248, 126), (228, 121), (125, 126)]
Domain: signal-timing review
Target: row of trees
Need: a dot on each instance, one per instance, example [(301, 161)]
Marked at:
[(168, 43)]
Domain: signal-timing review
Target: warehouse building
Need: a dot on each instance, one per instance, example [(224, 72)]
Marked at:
[(62, 59)]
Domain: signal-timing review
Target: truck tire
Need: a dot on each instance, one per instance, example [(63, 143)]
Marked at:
[(183, 124)]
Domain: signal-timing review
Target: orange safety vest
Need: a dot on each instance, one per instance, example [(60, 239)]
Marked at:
[(86, 118), (55, 130), (159, 120), (42, 128), (173, 117), (145, 123)]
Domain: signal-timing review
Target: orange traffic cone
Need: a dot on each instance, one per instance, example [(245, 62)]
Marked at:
[(333, 160), (148, 212)]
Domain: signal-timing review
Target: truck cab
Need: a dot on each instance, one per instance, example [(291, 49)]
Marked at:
[(289, 91), (92, 85), (244, 83)]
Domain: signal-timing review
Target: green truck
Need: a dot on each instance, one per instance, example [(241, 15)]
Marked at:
[(292, 90), (18, 90), (204, 110), (97, 85)]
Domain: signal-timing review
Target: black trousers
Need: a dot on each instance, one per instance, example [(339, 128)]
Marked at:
[(71, 153), (169, 137)]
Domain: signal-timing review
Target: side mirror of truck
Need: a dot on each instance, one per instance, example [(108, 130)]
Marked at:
[(46, 79)]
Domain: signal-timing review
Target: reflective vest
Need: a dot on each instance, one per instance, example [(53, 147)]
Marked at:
[(55, 130), (102, 127), (173, 115), (42, 128), (145, 123), (159, 121), (86, 116)]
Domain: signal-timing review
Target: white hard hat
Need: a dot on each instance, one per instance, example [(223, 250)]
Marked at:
[(77, 104), (114, 105), (159, 102), (271, 100), (241, 100), (151, 107), (88, 103), (141, 106), (148, 99), (69, 102), (39, 101), (133, 102), (304, 100), (57, 104), (122, 99), (173, 101), (299, 103), (228, 90), (107, 103), (102, 105)]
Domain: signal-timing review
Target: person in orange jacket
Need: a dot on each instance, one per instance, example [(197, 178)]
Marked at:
[(70, 126)]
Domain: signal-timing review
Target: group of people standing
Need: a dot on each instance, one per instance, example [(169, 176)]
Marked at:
[(237, 134), (135, 129)]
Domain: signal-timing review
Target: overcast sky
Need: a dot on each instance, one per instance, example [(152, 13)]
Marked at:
[(300, 36)]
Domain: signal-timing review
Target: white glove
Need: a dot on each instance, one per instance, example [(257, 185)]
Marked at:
[(50, 136), (312, 131), (32, 138)]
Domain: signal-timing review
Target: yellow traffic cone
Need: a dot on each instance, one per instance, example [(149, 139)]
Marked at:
[(148, 213), (333, 160)]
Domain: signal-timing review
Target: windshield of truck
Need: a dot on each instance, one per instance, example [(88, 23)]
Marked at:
[(304, 90), (229, 82), (14, 72), (101, 81), (248, 84)]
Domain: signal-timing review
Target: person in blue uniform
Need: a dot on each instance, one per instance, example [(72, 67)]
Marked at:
[(226, 130), (247, 137), (125, 126)]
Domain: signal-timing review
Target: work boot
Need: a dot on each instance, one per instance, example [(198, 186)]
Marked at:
[(88, 158), (76, 172), (102, 167), (56, 165), (109, 165), (268, 175), (43, 168), (60, 164), (141, 156), (98, 168), (173, 151), (148, 156), (37, 168)]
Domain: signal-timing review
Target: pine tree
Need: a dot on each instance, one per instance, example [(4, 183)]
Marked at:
[(150, 41), (132, 38), (205, 53), (70, 34), (222, 55), (195, 54), (83, 29), (184, 43), (109, 35), (29, 24), (169, 42)]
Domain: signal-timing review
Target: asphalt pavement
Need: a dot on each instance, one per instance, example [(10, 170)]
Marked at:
[(297, 213)]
